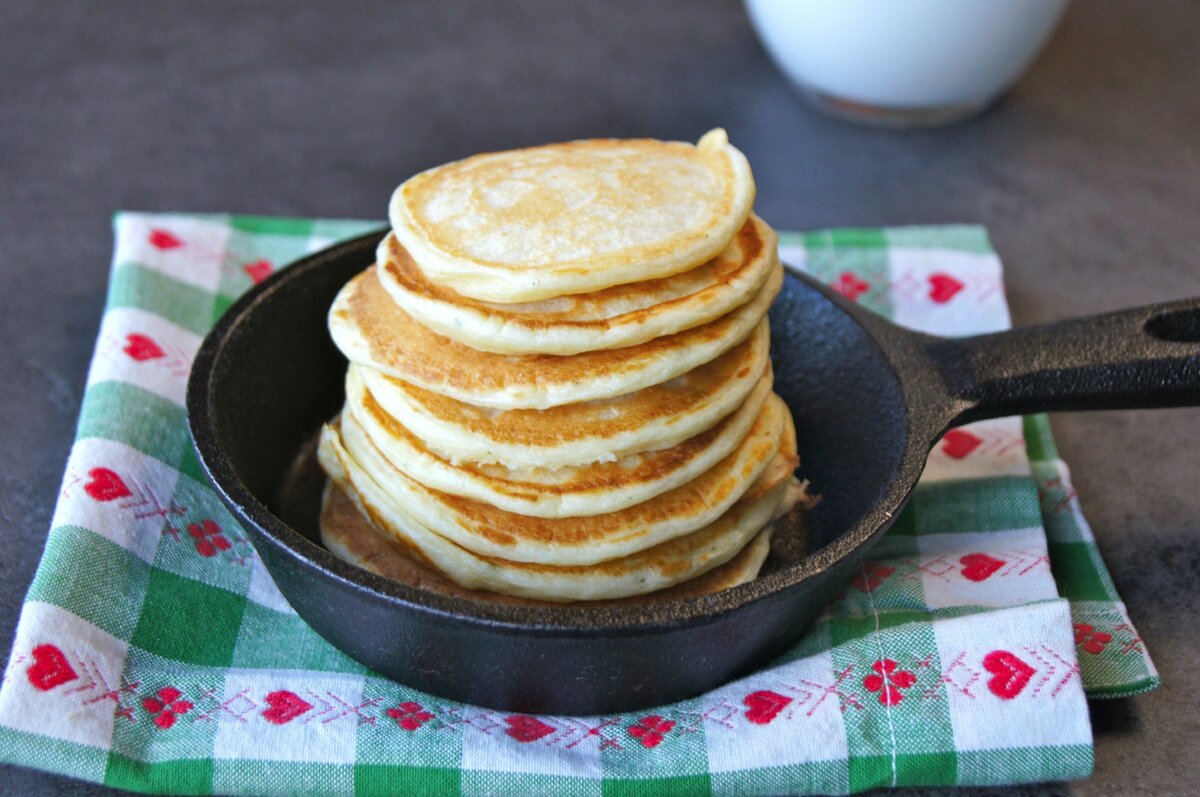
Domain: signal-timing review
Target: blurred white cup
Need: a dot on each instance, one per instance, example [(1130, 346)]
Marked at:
[(904, 63)]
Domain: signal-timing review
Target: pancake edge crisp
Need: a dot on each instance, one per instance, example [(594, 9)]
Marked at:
[(573, 434), (612, 318), (486, 530), (572, 491), (351, 538), (418, 355), (661, 566)]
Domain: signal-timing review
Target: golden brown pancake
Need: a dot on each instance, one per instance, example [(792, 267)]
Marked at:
[(489, 531), (371, 329), (661, 566), (655, 417), (352, 538), (569, 491), (615, 317)]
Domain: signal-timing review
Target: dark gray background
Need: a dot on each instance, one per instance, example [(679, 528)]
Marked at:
[(1087, 175)]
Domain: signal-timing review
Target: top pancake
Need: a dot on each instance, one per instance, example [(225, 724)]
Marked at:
[(531, 224), (622, 315)]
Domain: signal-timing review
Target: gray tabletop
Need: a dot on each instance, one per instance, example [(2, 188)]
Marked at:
[(1087, 175)]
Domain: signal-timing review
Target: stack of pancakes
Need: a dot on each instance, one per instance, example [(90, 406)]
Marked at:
[(559, 385)]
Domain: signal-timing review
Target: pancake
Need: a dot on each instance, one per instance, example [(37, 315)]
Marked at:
[(559, 386), (488, 531), (575, 217), (655, 568), (660, 416), (350, 537), (615, 317), (371, 329), (553, 492)]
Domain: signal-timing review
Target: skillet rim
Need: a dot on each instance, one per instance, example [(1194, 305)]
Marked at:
[(202, 410)]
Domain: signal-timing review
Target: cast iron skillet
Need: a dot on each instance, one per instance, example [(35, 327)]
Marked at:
[(870, 399)]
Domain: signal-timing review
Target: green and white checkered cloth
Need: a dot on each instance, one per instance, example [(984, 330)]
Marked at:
[(154, 653)]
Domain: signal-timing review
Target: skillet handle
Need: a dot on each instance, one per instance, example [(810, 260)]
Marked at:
[(1142, 358)]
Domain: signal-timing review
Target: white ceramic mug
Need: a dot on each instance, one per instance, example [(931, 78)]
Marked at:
[(904, 62)]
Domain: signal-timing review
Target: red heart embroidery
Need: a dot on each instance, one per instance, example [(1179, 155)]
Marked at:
[(958, 443), (105, 485), (142, 348), (285, 706), (942, 287), (979, 566), (1009, 674), (764, 706), (164, 240), (50, 668), (527, 729), (258, 271)]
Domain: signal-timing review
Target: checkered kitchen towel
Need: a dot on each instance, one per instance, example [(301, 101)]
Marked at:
[(154, 653)]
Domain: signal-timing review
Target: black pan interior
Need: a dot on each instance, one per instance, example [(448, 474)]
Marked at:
[(851, 423)]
